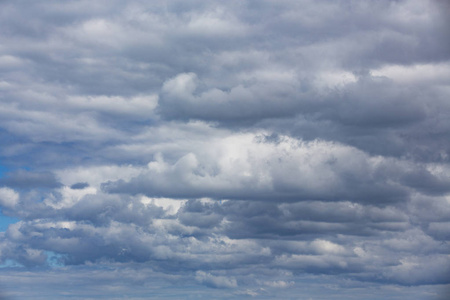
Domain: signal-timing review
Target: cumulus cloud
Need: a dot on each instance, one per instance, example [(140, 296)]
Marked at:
[(8, 197), (228, 149), (246, 166), (215, 281)]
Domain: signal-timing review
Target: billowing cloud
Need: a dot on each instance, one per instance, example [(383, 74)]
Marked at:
[(8, 197), (225, 149)]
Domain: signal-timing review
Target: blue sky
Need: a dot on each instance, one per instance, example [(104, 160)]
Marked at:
[(3, 169), (225, 150), (5, 220)]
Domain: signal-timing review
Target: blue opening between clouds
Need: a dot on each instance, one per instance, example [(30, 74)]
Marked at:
[(5, 221), (3, 170)]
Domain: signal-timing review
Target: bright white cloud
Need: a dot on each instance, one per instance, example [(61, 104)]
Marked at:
[(8, 197)]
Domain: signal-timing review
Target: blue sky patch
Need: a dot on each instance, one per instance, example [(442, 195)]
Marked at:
[(3, 170), (5, 221)]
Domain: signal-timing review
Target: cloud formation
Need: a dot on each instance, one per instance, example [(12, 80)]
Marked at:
[(225, 149)]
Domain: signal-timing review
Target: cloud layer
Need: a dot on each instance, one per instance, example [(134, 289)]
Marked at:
[(225, 150)]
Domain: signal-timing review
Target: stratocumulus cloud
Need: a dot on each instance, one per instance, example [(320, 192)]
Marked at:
[(225, 150)]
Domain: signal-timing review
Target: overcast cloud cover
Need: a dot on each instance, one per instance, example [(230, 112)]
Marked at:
[(225, 149)]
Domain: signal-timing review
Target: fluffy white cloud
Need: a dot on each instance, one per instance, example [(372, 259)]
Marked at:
[(8, 197)]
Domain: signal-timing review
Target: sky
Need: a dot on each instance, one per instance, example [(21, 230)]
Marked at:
[(241, 149)]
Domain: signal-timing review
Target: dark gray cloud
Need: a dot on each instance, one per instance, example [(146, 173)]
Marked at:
[(296, 149), (22, 179), (79, 185)]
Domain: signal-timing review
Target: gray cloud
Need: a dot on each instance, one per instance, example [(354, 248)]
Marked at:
[(22, 179), (225, 150), (79, 185)]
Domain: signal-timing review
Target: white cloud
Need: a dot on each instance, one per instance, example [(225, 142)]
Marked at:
[(8, 197), (327, 247), (422, 74), (69, 197), (171, 206), (215, 281)]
